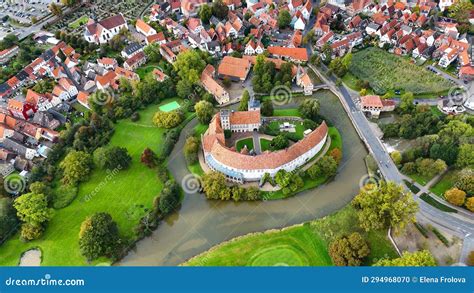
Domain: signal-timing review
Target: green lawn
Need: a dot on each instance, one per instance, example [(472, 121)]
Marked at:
[(169, 106), (286, 112), (78, 22), (387, 72), (264, 144), (445, 183), (200, 129), (246, 141), (299, 245), (127, 195), (421, 179)]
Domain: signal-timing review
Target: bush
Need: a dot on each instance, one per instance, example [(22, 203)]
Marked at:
[(148, 158), (30, 232), (168, 119), (64, 196), (470, 204), (191, 148), (422, 230), (440, 237), (99, 236), (135, 117), (169, 197), (455, 196), (349, 250)]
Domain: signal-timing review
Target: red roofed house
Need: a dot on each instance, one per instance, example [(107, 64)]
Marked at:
[(144, 28), (103, 31), (160, 75), (303, 80), (21, 109), (135, 61), (374, 105), (292, 54), (212, 86), (83, 99), (235, 69), (156, 38)]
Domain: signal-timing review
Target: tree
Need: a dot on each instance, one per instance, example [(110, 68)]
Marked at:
[(396, 157), (152, 52), (191, 148), (266, 108), (406, 103), (76, 167), (284, 18), (55, 9), (326, 51), (169, 197), (384, 205), (214, 186), (470, 259), (309, 109), (99, 236), (279, 142), (324, 167), (8, 41), (169, 119), (112, 158), (470, 204), (205, 13), (465, 181), (220, 9), (422, 258), (188, 65), (336, 154), (455, 196), (148, 158), (33, 210), (244, 102), (430, 167), (465, 156), (8, 219), (204, 111), (349, 250)]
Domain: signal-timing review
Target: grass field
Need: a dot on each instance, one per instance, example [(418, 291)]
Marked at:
[(126, 195), (244, 142), (286, 112), (421, 179), (79, 22), (387, 72), (300, 245), (446, 182)]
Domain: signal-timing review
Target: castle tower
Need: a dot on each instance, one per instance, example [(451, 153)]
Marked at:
[(225, 119), (253, 105)]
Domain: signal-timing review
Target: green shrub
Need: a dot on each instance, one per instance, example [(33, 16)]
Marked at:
[(64, 195)]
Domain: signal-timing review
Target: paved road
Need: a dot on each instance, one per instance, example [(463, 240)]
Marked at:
[(256, 143), (455, 223)]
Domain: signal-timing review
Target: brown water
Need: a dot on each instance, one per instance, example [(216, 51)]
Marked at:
[(201, 224)]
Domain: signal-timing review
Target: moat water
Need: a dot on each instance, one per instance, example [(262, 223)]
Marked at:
[(201, 224)]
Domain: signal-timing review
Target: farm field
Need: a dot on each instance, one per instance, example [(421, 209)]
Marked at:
[(299, 245), (386, 72), (126, 196)]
